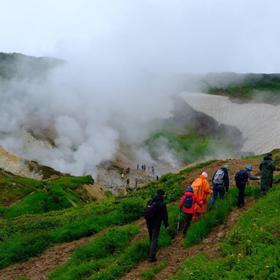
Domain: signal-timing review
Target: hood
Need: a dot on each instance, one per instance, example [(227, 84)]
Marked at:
[(189, 193)]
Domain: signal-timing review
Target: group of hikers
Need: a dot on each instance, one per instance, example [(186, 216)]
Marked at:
[(199, 197), (144, 167)]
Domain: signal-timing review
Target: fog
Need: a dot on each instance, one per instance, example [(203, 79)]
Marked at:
[(147, 35), (120, 57)]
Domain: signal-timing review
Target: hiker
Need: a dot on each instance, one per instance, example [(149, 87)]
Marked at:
[(220, 183), (202, 190), (127, 182), (137, 166), (241, 179), (267, 167), (153, 170), (187, 204), (155, 214)]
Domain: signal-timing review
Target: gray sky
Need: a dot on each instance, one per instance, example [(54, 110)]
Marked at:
[(152, 35)]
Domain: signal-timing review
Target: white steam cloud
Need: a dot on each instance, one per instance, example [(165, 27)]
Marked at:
[(119, 55), (86, 120)]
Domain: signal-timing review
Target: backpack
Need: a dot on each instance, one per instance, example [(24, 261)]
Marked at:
[(241, 177), (151, 210), (188, 202), (219, 177)]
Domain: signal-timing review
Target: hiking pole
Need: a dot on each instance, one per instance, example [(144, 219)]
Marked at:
[(178, 222)]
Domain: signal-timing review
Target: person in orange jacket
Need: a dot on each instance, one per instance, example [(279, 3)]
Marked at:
[(187, 204), (202, 190)]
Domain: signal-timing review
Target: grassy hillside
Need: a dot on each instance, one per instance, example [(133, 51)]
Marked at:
[(250, 251), (247, 86), (21, 196), (188, 147), (30, 235), (16, 65), (117, 244), (13, 188)]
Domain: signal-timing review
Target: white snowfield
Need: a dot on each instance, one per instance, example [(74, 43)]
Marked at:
[(258, 122)]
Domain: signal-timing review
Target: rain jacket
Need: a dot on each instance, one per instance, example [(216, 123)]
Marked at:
[(182, 200), (267, 167), (202, 190)]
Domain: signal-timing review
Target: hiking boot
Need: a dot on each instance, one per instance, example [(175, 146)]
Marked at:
[(151, 260)]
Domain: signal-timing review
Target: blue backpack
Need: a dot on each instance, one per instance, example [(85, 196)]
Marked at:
[(188, 202)]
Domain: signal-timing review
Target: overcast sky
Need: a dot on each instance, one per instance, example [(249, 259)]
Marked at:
[(154, 35)]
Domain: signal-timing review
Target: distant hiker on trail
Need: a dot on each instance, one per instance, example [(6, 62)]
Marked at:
[(155, 214), (267, 167), (202, 190), (187, 204), (137, 166), (127, 182), (241, 179), (220, 183), (153, 170)]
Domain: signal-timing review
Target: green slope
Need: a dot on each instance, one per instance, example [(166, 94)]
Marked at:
[(20, 196), (250, 251), (247, 86)]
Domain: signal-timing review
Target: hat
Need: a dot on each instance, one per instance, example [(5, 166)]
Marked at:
[(225, 166), (249, 167), (204, 174), (189, 189), (160, 192)]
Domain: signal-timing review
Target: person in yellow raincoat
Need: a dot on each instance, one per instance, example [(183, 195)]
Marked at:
[(202, 191)]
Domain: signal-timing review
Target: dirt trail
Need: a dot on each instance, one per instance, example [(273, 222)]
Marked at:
[(176, 253), (37, 268)]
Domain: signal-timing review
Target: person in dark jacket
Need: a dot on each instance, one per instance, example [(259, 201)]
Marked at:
[(267, 167), (154, 223), (241, 179), (220, 183)]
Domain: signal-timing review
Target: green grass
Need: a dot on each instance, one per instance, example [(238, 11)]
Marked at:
[(47, 195), (97, 254), (150, 273), (250, 251), (29, 235), (137, 252), (85, 264), (187, 147), (14, 188), (216, 216), (250, 86), (25, 237)]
